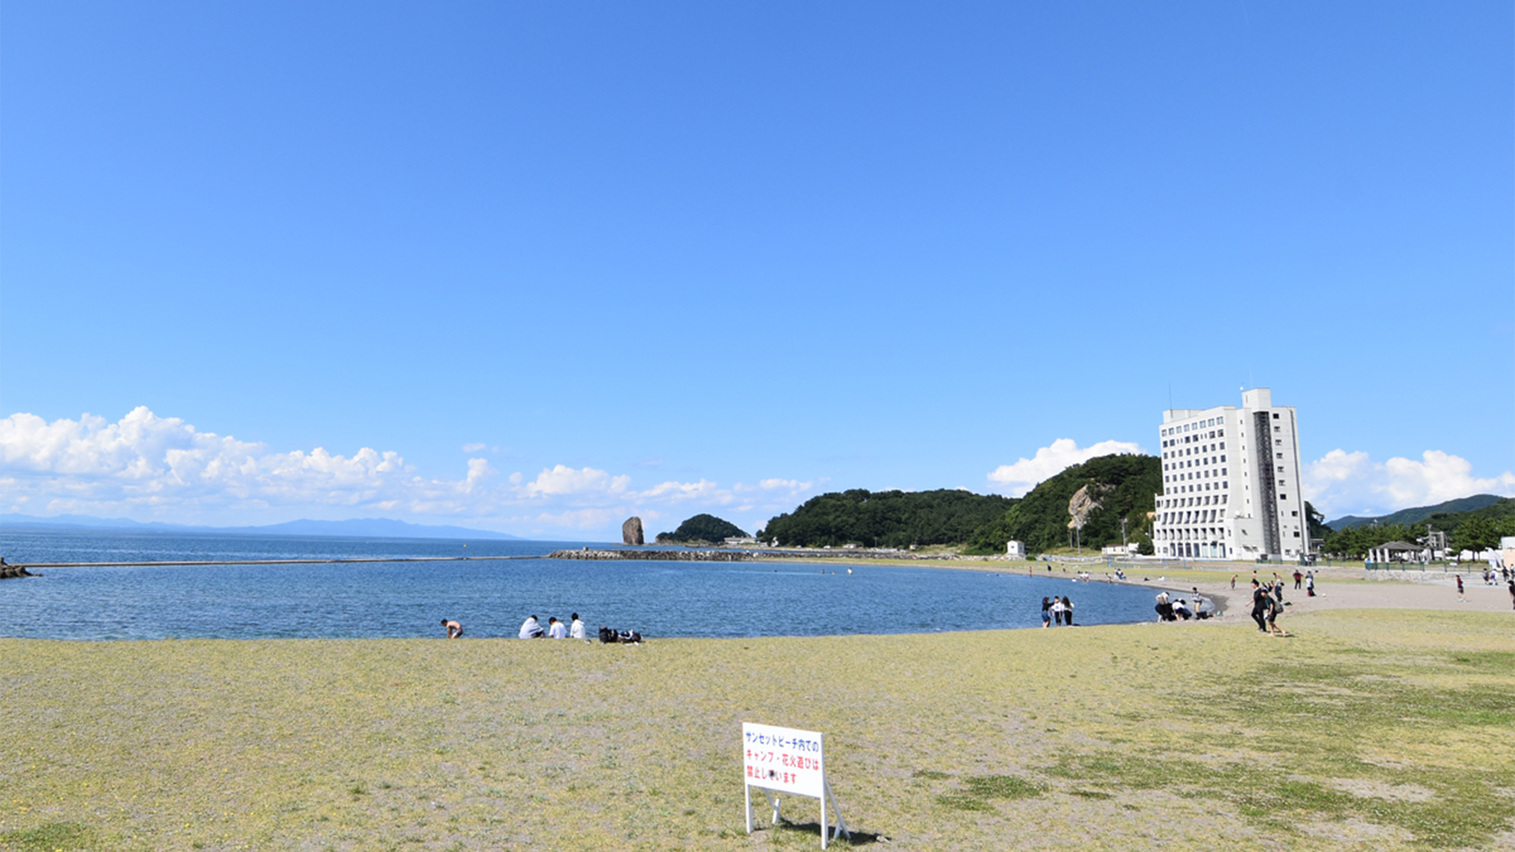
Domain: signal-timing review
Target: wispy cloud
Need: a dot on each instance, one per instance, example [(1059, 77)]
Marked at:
[(1019, 478), (1343, 483)]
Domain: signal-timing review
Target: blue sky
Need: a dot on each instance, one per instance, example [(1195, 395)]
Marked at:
[(535, 267)]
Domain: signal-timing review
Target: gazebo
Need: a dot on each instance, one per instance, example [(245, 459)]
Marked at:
[(1398, 551)]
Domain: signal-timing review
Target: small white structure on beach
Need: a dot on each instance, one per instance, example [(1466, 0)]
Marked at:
[(1015, 549), (1398, 551)]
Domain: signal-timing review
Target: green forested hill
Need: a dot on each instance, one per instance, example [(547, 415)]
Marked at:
[(1124, 486), (702, 528), (1419, 514), (1473, 530), (886, 518)]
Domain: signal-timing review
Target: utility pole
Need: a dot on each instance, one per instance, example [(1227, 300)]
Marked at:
[(1123, 542)]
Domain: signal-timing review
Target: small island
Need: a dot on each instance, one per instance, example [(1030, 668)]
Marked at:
[(703, 530)]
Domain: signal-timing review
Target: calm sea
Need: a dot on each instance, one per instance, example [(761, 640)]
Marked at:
[(491, 598)]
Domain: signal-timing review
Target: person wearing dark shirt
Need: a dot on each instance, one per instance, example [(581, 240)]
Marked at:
[(1260, 599)]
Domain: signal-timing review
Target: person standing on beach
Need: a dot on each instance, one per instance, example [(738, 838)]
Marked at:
[(1309, 584), (1067, 611), (1274, 608), (1046, 612), (1260, 599), (1233, 582), (1057, 611), (454, 629), (1512, 593), (1298, 578), (1459, 589)]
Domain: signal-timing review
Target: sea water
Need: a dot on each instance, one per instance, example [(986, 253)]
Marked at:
[(491, 598)]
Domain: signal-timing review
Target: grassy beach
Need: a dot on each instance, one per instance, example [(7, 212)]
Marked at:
[(1369, 729)]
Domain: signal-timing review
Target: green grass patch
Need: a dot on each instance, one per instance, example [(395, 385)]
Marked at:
[(51, 837), (1002, 787)]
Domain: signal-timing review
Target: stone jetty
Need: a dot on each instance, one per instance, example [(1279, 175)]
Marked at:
[(658, 555), (8, 571)]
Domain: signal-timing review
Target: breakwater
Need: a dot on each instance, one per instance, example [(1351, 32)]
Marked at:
[(182, 563), (656, 555), (8, 571)]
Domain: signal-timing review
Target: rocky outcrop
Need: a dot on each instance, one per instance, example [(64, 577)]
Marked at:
[(1083, 504), (7, 571), (631, 531)]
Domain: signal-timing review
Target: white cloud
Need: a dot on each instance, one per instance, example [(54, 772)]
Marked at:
[(1019, 478), (148, 467), (560, 481), (475, 447), (681, 491), (793, 486), (1342, 483)]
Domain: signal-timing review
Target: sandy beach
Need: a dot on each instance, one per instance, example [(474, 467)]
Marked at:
[(1382, 722)]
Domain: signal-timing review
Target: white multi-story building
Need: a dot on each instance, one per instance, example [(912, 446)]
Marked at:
[(1231, 482)]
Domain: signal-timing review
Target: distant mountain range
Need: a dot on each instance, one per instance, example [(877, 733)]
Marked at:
[(354, 528), (1417, 514)]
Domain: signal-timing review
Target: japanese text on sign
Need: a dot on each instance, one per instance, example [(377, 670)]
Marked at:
[(783, 759)]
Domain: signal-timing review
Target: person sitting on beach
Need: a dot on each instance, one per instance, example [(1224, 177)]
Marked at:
[(454, 629), (1181, 609), (576, 630), (531, 628), (555, 629)]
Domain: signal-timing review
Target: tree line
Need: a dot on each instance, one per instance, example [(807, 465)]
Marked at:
[(1123, 485), (886, 518), (1476, 530)]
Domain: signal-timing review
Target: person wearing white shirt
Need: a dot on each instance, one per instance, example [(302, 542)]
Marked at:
[(555, 629), (576, 630), (531, 628)]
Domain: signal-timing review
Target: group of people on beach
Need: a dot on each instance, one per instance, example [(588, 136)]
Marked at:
[(531, 628), (1057, 610), (1171, 609), (1267, 604)]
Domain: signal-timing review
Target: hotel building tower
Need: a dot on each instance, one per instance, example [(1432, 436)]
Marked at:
[(1231, 480)]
